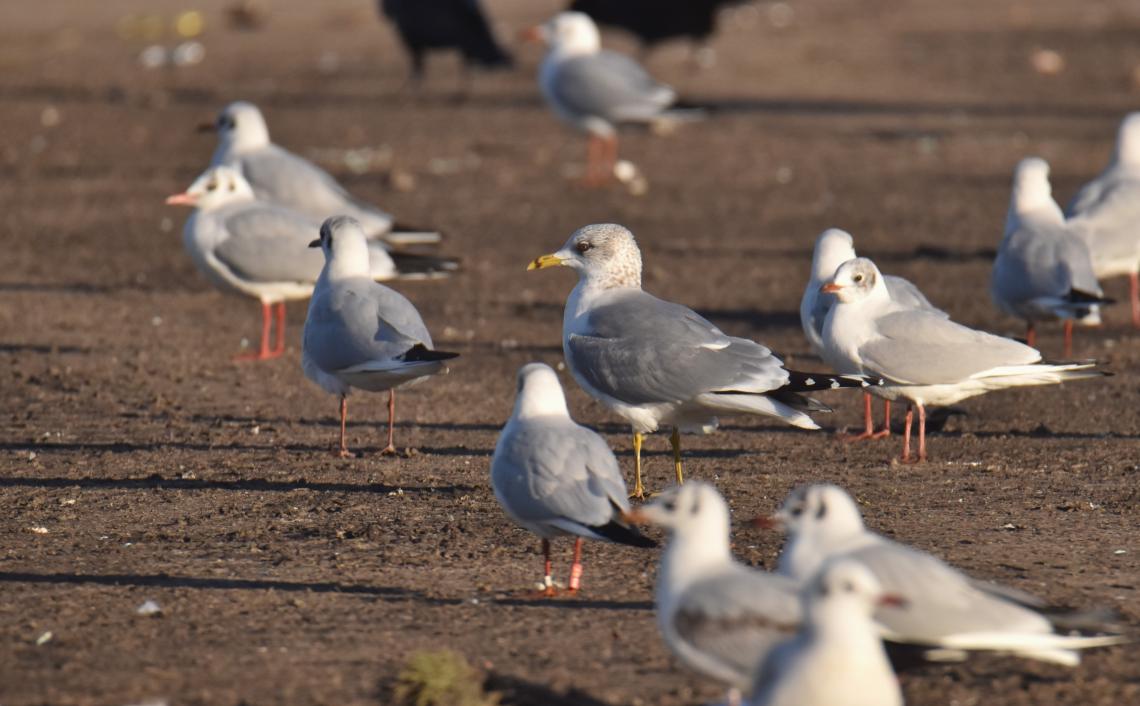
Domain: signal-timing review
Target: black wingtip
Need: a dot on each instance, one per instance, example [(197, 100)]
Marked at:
[(804, 382), (421, 353), (1076, 296), (416, 264), (624, 534)]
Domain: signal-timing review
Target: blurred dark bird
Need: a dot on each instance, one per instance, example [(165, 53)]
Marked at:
[(655, 21), (426, 25)]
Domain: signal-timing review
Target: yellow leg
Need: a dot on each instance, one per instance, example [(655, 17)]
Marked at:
[(638, 488), (676, 439)]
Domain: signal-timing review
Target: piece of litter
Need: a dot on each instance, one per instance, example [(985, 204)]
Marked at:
[(44, 638), (149, 607), (1118, 552), (38, 530)]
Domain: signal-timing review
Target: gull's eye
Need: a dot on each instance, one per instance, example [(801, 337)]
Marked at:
[(212, 186), (669, 506), (848, 587), (584, 246), (796, 511), (857, 278)]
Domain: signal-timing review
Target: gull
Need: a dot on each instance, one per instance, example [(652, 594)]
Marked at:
[(1106, 213), (278, 175), (554, 477), (1043, 270), (834, 247), (837, 657), (654, 362), (949, 613), (425, 25), (359, 333), (594, 90), (259, 249), (718, 616), (920, 356)]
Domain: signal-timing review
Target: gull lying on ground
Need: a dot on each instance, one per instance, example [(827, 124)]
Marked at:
[(1043, 271), (277, 174), (554, 477), (837, 658), (920, 356), (1106, 213), (834, 247), (361, 334), (948, 612), (260, 249), (654, 362)]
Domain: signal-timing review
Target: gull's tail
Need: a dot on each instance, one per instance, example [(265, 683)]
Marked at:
[(786, 402), (417, 266), (402, 235)]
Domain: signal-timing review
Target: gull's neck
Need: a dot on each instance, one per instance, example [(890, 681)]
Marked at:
[(1032, 201), (349, 259), (690, 556), (539, 400), (1127, 153)]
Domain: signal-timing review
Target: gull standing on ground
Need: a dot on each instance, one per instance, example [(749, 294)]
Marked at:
[(361, 334), (837, 658), (718, 616), (1106, 213), (1043, 271), (834, 247), (260, 249), (654, 362), (920, 356), (948, 612), (554, 477), (594, 90), (278, 175)]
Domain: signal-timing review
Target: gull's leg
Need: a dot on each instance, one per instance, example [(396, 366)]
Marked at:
[(886, 430), (593, 145), (906, 435), (868, 423), (576, 568), (676, 439), (263, 352), (390, 448), (638, 488), (1134, 297), (610, 147), (343, 452), (921, 432), (547, 580), (1068, 338), (1030, 335), (279, 348)]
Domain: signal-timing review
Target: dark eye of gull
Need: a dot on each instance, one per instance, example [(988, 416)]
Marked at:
[(584, 246)]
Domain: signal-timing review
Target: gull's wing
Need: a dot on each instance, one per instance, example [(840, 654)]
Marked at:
[(359, 321), (1106, 219), (1043, 262), (269, 244), (557, 472), (904, 292), (640, 349), (918, 347), (730, 621), (611, 86)]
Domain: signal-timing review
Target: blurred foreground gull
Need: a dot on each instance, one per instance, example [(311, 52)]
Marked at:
[(948, 612), (260, 249), (834, 247), (277, 174), (359, 333), (920, 356), (1043, 271), (1106, 213), (554, 477), (656, 21), (595, 90), (718, 616), (426, 25), (837, 658), (654, 362)]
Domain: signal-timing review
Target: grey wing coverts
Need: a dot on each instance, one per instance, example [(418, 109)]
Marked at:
[(611, 86)]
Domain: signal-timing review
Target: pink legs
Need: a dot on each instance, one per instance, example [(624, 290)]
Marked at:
[(601, 155), (343, 452), (264, 352), (906, 457), (575, 583), (1030, 335), (869, 423), (576, 567), (390, 448), (1068, 338), (1134, 287)]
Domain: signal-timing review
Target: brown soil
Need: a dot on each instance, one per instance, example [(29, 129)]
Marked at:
[(138, 462)]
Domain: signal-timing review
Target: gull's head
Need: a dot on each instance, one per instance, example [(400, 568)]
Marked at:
[(694, 511), (604, 254), (345, 246), (1031, 190), (539, 392), (833, 247), (571, 34), (241, 126), (856, 280), (217, 187), (842, 590), (1128, 141), (822, 512)]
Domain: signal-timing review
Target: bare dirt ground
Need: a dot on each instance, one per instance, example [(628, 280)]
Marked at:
[(138, 462)]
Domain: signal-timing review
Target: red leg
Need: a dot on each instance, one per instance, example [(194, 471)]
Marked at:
[(279, 348), (886, 430), (576, 567), (547, 580), (906, 435), (1134, 281), (263, 351), (590, 177), (1030, 335), (343, 452), (611, 153), (1068, 338), (390, 448), (868, 423), (921, 432)]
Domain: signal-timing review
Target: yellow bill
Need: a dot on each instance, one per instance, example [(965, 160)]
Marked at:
[(543, 261)]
